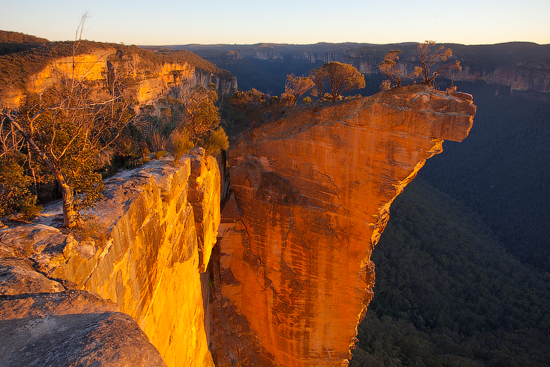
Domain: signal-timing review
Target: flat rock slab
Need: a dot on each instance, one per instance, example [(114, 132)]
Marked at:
[(17, 276), (71, 328)]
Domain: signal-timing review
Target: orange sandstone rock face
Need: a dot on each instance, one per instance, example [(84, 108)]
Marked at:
[(152, 82), (145, 246), (313, 193), (150, 267)]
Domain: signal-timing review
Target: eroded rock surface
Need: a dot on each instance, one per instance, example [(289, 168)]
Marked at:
[(17, 276), (291, 276), (150, 81), (140, 251), (314, 191), (71, 328)]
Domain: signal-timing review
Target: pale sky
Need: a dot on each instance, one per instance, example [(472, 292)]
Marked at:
[(167, 22)]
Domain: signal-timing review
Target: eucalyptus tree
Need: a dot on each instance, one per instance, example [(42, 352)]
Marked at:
[(339, 77), (66, 128)]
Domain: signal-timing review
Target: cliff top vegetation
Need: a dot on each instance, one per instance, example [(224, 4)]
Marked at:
[(76, 130), (15, 42)]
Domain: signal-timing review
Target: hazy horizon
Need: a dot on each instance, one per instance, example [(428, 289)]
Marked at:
[(332, 43), (245, 22), (278, 43)]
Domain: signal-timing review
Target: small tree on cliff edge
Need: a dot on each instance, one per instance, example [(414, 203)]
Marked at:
[(340, 78), (430, 59), (391, 70), (298, 86), (65, 131)]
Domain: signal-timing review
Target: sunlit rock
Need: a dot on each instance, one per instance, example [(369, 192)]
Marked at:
[(314, 191)]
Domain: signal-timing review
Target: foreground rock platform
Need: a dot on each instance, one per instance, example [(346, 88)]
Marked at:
[(124, 290)]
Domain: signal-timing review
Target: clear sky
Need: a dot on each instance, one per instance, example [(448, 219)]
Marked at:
[(167, 22)]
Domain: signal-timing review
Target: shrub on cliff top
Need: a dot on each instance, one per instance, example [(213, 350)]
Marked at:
[(216, 141), (431, 59), (64, 131), (339, 77), (180, 144), (395, 74), (430, 67), (15, 196)]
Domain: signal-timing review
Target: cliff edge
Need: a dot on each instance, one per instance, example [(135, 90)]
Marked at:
[(279, 276), (310, 197), (126, 289)]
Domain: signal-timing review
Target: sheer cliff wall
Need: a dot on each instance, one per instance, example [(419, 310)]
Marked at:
[(149, 240), (310, 197)]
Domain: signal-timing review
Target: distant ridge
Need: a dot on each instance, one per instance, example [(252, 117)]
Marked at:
[(15, 42)]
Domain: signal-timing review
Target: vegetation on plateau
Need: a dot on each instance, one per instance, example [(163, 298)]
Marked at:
[(253, 106), (62, 133), (186, 118), (25, 56), (332, 81), (63, 140), (11, 42)]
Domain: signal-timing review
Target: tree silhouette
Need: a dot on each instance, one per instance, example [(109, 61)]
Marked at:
[(340, 78), (430, 58), (391, 70), (298, 86)]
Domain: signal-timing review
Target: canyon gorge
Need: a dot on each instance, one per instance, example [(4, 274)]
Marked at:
[(260, 259)]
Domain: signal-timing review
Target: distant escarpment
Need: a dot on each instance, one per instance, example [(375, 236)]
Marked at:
[(145, 75), (523, 68), (310, 197)]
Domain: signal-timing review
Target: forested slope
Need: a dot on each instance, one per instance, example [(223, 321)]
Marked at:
[(502, 170), (448, 294)]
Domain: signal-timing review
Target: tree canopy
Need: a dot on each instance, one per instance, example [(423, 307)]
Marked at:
[(64, 130), (430, 61), (393, 71), (298, 85), (340, 77), (432, 64)]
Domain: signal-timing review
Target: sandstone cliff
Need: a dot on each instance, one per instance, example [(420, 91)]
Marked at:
[(290, 277), (310, 197), (148, 77), (142, 250)]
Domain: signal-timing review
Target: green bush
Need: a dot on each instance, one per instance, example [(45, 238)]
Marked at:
[(216, 141), (180, 144), (15, 196)]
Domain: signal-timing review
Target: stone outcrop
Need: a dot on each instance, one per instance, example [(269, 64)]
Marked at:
[(290, 277), (141, 250), (70, 328), (310, 197), (519, 78), (147, 81)]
